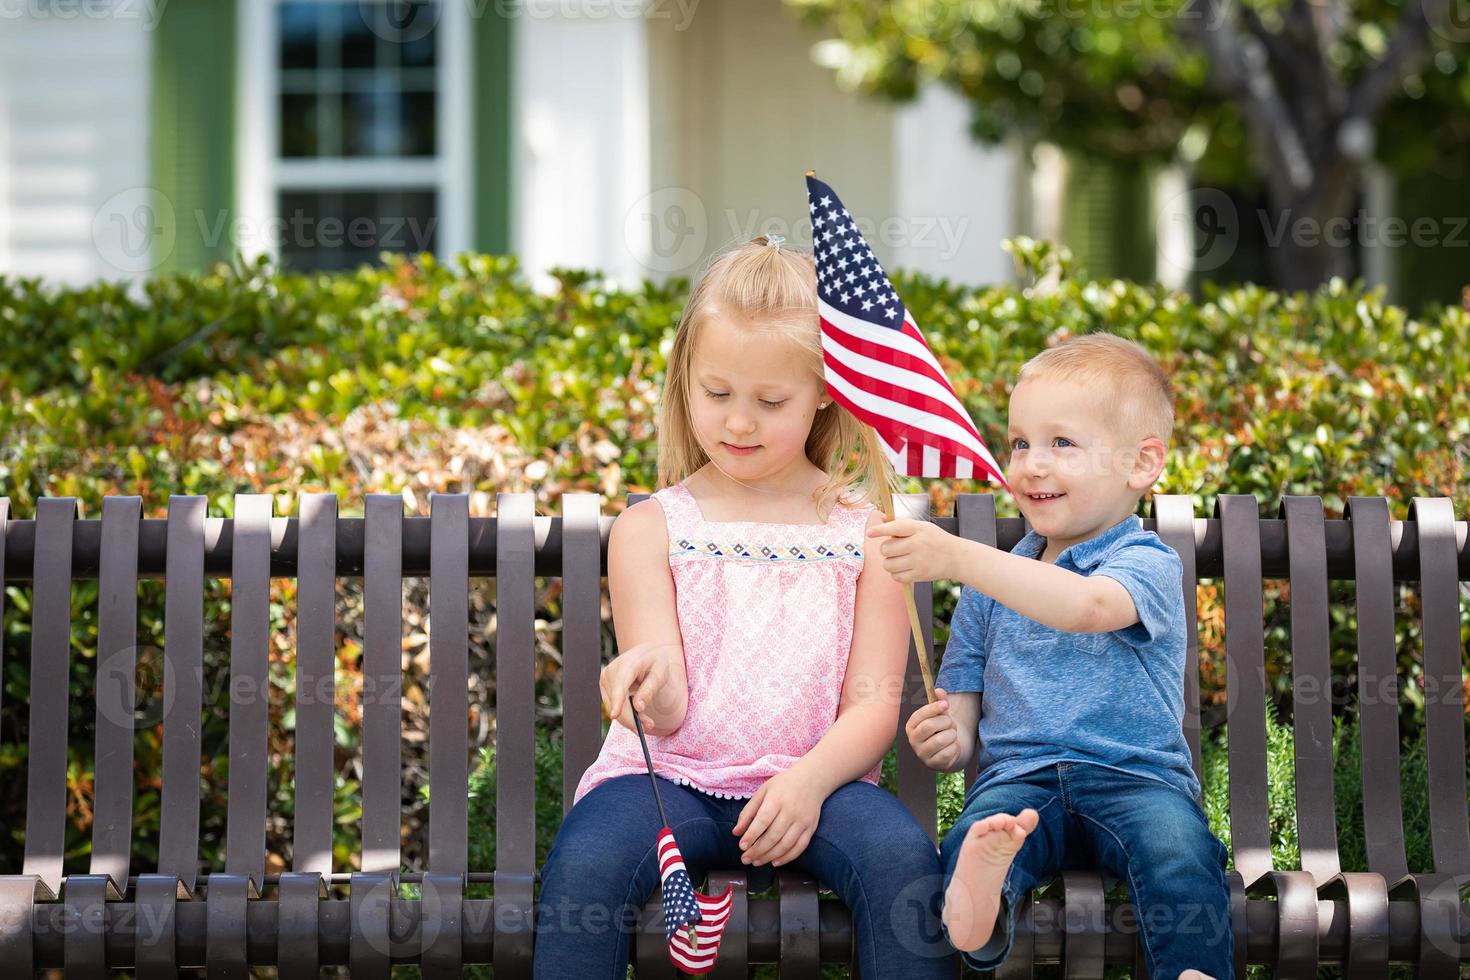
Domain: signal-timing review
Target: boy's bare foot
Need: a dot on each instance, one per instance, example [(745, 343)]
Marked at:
[(972, 900)]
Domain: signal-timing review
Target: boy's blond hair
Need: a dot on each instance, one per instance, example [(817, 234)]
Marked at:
[(776, 290), (1134, 390)]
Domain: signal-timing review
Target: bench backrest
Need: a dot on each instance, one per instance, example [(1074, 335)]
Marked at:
[(1234, 545)]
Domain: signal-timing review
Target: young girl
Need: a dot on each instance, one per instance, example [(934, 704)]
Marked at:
[(763, 650)]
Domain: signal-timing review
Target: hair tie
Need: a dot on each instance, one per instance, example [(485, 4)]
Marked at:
[(775, 241)]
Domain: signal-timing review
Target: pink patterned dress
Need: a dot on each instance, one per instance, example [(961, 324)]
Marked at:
[(766, 613)]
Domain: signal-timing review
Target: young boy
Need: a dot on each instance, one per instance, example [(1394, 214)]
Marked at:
[(1076, 638)]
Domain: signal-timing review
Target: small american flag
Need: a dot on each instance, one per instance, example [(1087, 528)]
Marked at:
[(694, 922), (878, 365)]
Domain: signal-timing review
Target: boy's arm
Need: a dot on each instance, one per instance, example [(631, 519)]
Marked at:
[(1057, 597), (1053, 596)]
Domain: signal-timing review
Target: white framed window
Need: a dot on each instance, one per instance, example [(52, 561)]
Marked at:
[(354, 130)]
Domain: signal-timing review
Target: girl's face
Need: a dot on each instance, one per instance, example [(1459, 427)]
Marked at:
[(752, 397)]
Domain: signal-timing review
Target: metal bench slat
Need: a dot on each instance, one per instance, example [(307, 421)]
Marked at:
[(1432, 522), (1378, 702), (183, 690), (50, 681), (449, 678), (1084, 921), (515, 750), (649, 944), (226, 909), (1311, 684), (975, 521), (85, 942), (298, 925), (117, 661), (442, 890), (249, 693), (1174, 523), (316, 664), (1245, 656), (917, 787), (735, 943), (370, 949), (800, 924), (382, 679), (1444, 707), (581, 637)]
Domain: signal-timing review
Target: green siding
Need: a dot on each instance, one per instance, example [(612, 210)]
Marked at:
[(193, 128), (492, 81), (1107, 217)]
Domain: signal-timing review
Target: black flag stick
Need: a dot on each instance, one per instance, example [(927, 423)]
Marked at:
[(649, 760)]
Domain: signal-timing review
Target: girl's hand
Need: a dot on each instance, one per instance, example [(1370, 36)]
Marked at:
[(645, 671), (778, 822)]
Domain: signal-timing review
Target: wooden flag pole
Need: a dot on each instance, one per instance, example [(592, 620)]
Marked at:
[(921, 649)]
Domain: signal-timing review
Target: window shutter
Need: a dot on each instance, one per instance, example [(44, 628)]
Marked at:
[(193, 128), (492, 102), (1107, 217)]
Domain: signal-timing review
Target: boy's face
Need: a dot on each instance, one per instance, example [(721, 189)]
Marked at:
[(1073, 476)]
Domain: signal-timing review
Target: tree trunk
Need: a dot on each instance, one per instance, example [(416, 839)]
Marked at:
[(1313, 236)]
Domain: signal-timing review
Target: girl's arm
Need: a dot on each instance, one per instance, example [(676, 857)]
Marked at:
[(650, 665)]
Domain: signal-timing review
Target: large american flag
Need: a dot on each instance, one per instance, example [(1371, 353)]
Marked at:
[(878, 365), (694, 922)]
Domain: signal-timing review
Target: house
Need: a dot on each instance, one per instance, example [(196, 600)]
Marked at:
[(630, 136)]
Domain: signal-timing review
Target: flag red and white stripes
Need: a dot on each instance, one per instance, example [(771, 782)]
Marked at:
[(684, 907), (878, 365)]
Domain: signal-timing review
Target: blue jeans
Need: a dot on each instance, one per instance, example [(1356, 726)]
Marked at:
[(867, 848), (1137, 830)]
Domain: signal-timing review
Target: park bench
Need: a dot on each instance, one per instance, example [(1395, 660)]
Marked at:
[(157, 920)]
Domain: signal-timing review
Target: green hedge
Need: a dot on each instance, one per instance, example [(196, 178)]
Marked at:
[(421, 376)]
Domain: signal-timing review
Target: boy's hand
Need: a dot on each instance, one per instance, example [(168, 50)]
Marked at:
[(778, 822), (933, 734), (917, 551), (644, 671)]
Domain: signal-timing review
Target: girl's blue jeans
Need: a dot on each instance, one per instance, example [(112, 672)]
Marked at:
[(867, 848), (1143, 832)]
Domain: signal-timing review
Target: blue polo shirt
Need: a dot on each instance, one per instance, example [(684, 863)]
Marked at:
[(1111, 699)]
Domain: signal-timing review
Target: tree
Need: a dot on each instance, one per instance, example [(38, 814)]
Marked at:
[(1294, 96)]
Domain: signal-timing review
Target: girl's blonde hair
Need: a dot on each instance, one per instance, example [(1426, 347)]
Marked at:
[(775, 287)]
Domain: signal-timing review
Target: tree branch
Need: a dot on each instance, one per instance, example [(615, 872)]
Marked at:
[(1241, 70), (1409, 44)]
